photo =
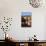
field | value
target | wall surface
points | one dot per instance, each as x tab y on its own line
13	8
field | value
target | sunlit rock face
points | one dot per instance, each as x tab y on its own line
35	3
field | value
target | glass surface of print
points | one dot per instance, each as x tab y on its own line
26	19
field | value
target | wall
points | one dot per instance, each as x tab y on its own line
13	8
45	28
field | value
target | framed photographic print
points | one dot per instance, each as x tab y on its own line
26	19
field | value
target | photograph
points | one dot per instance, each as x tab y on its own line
26	19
